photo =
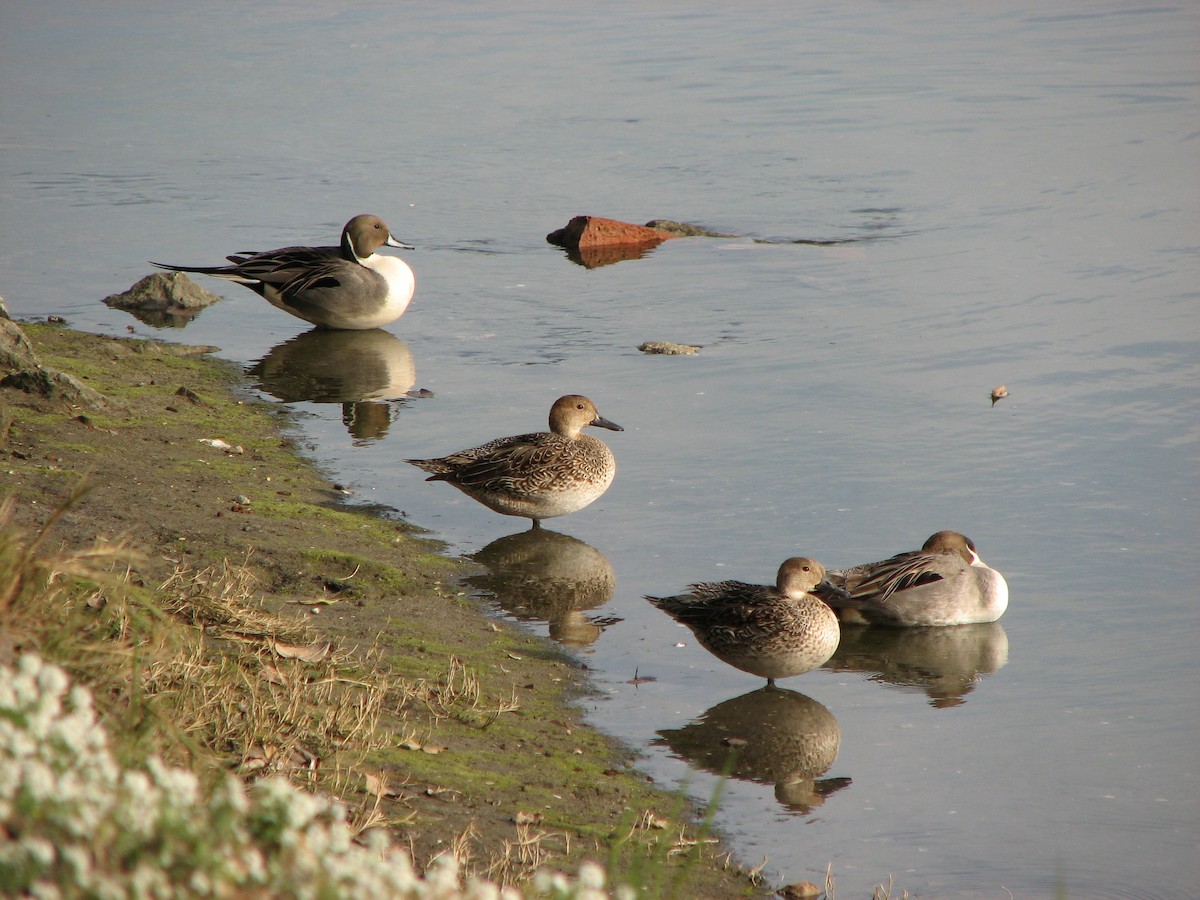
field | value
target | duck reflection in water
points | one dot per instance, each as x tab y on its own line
945	663
770	736
544	576
365	371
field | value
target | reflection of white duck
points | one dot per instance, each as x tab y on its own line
944	663
337	367
543	575
769	736
358	369
943	583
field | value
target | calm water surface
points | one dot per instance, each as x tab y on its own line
1019	195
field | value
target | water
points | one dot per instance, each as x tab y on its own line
1019	193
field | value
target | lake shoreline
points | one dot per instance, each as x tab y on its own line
191	470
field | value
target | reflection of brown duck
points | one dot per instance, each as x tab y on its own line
769	736
358	369
541	575
944	662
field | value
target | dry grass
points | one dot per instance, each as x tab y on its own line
456	695
194	670
32	578
527	852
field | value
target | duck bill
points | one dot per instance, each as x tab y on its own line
601	422
828	587
400	245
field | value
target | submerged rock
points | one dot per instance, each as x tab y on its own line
164	299
683	229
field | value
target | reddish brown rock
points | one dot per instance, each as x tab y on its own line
587	232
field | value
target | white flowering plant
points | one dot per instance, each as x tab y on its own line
74	823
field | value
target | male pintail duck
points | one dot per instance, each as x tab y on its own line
539	475
344	287
771	632
943	583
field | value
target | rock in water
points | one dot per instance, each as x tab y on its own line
169	299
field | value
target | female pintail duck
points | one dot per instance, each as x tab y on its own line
539	475
943	583
345	287
772	632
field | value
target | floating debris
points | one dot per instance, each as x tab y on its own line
670	348
999	393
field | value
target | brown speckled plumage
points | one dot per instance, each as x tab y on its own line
772	632
538	475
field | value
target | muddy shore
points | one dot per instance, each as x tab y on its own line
191	469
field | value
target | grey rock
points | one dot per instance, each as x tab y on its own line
16	352
55	385
164	299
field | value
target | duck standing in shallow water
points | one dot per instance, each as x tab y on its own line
771	632
943	583
539	475
347	287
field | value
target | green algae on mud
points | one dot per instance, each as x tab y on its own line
485	753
